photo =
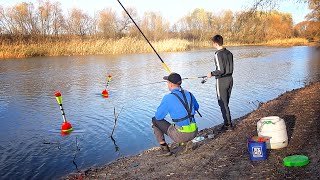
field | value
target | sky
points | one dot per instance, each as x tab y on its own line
172	10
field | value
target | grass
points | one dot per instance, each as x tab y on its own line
287	42
124	45
90	47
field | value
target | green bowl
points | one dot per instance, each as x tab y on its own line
296	161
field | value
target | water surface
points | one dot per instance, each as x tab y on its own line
32	147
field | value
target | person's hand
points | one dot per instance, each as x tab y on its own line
209	75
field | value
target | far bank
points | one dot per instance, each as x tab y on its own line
76	46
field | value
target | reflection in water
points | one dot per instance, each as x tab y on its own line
314	64
67	133
76	150
115	119
116	147
114	127
74	163
75	154
58	143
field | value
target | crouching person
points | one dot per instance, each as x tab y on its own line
181	105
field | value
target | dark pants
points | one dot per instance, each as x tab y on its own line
164	127
224	87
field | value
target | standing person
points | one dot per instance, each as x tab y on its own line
223	59
181	105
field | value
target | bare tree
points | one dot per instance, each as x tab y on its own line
22	19
227	21
6	23
314	5
154	25
198	24
314	15
107	23
50	18
125	22
78	23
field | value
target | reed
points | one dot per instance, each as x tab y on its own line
286	42
126	45
90	47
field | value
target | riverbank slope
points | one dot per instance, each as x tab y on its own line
226	156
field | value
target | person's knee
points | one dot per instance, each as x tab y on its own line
154	120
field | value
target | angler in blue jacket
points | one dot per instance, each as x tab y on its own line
181	105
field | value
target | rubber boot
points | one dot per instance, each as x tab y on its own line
165	151
227	127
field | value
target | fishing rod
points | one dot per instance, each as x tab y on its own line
204	78
164	64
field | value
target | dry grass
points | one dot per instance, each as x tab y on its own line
276	42
122	46
90	47
287	42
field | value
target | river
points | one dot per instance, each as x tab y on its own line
31	144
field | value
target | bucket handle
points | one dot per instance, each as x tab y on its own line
263	123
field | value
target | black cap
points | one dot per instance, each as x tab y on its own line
175	78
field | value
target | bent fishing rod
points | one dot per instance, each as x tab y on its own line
204	79
164	64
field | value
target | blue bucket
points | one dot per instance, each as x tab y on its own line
257	150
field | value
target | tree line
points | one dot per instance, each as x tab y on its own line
29	22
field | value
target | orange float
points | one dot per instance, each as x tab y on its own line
66	127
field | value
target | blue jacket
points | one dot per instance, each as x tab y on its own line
172	105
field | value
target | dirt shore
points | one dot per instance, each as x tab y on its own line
226	156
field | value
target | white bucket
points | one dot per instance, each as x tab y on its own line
274	128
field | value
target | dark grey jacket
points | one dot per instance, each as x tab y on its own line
223	59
